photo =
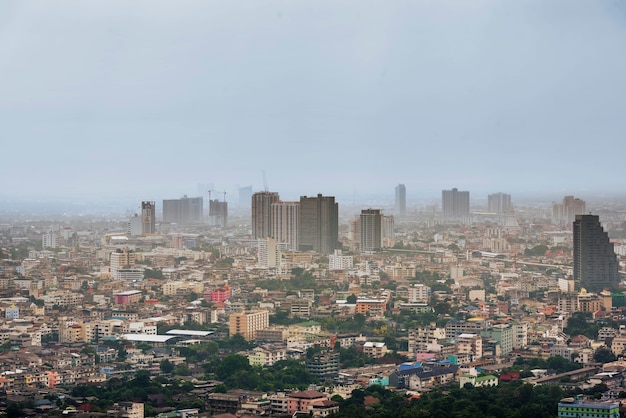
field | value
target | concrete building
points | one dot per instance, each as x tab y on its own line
284	223
499	203
218	213
577	408
455	203
401	200
319	224
262	213
337	261
371	230
268	253
324	366
247	323
501	333
565	213
183	211
595	262
148	217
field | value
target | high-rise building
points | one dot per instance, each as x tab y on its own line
388	228
148	217
499	203
455	203
247	323
184	211
245	194
319	224
268	253
565	213
595	261
262	213
284	222
371	230
218	213
135	226
401	200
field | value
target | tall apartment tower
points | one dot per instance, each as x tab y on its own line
186	210
595	262
499	203
565	212
148	215
218	213
371	230
284	222
455	203
401	200
319	224
262	213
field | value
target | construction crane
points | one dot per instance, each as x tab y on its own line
224	193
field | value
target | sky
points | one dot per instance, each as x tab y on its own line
145	99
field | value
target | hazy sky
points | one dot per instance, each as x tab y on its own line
148	98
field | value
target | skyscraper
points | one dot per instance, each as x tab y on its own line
284	222
148	210
186	210
499	203
455	203
371	230
565	212
595	262
262	213
401	200
218	213
319	224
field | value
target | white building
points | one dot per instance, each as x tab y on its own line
419	293
337	261
268	253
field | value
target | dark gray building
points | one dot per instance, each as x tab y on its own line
595	262
183	211
319	224
262	213
455	203
401	200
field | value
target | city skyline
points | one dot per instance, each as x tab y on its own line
145	100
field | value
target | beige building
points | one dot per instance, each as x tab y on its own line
247	323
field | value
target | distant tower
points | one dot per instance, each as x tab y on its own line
245	194
499	203
371	230
218	213
319	224
284	222
184	211
455	203
262	213
401	200
148	215
595	262
565	212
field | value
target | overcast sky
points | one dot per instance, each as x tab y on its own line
146	99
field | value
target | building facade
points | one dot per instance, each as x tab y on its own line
595	262
284	223
148	217
499	203
371	230
455	203
319	224
401	200
262	213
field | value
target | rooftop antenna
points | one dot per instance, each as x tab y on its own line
264	181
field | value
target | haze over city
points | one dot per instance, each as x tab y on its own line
147	99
